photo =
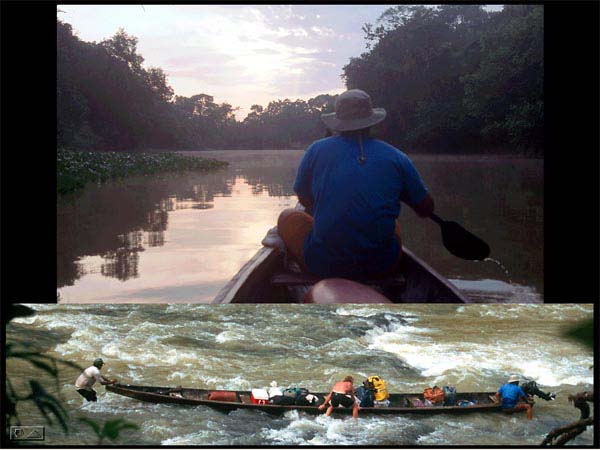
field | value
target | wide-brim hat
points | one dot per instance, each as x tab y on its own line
513	379
353	111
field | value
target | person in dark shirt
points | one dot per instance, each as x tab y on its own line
510	394
351	186
531	388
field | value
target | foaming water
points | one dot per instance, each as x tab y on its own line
473	347
450	360
493	290
497	291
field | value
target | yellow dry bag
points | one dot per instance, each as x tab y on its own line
379	388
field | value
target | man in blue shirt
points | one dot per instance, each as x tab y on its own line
510	393
352	186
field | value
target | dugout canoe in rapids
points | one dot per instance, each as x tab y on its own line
268	277
399	403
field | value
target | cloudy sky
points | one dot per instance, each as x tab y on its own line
240	54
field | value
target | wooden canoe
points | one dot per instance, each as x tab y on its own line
265	279
481	401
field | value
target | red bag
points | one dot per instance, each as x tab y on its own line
435	395
222	396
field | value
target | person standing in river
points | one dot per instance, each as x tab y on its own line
510	394
342	394
351	186
88	378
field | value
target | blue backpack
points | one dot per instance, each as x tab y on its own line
366	397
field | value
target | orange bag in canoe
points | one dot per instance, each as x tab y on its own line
222	396
435	395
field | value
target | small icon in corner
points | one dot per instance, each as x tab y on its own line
24	433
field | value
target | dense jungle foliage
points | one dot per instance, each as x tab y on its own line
453	79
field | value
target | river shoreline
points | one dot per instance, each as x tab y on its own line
74	169
478	157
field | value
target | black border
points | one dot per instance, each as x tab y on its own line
28	157
572	164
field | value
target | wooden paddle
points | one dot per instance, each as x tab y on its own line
461	242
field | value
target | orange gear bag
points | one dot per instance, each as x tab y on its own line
435	395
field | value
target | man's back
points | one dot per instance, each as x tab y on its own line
355	204
88	378
510	394
343	387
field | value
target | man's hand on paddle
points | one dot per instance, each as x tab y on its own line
425	207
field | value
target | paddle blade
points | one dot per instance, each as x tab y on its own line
463	243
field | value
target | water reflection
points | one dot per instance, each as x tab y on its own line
195	231
182	237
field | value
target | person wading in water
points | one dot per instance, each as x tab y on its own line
510	393
88	378
351	186
342	394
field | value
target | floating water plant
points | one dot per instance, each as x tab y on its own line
75	169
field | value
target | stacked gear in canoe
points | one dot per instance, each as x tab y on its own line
435	395
365	394
295	392
259	396
296	396
379	388
449	395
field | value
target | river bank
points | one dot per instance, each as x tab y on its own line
75	169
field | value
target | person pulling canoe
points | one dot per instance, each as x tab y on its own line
342	394
510	394
351	186
88	378
531	388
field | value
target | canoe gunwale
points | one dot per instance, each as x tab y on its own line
435	274
235	287
257	271
137	393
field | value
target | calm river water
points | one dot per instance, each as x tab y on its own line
473	347
180	238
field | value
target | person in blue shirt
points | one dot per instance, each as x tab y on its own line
351	186
510	394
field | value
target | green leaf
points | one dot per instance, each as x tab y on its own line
112	428
48	403
582	333
93	424
52	371
27	355
16	310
